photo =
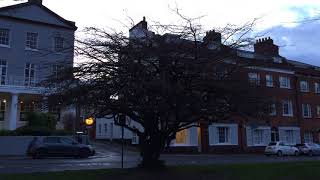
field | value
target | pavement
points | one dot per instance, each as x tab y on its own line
109	156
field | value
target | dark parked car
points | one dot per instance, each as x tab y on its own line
309	149
58	147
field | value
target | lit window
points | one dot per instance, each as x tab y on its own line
223	134
254	79
269	80
284	82
317	88
32	40
58	44
29	75
306	110
4	37
287	108
304	86
181	137
308	137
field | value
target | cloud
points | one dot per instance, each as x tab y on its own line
300	43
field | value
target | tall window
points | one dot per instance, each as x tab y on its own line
289	136
58	44
2	109
317	88
308	137
273	110
284	82
318	111
181	137
304	86
287	108
99	129
258	136
223	134
4	37
269	80
254	79
3	71
105	128
32	40
30	74
306	110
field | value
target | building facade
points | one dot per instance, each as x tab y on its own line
294	116
34	44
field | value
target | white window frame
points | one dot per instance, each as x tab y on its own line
318	111
290	109
254	78
9	37
55	46
317	88
284	82
3	71
289	137
258	140
308	137
226	134
269	80
304	86
29	41
30	81
273	109
306	111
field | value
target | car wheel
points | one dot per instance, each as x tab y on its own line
40	153
296	153
279	153
310	153
84	153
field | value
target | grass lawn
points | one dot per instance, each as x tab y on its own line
283	171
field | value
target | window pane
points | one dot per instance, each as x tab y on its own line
4	37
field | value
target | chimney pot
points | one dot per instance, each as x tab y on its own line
35	1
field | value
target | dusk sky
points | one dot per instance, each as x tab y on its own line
278	18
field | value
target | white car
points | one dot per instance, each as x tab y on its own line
280	149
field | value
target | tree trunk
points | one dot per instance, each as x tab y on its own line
151	148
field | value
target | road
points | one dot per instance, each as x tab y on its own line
109	156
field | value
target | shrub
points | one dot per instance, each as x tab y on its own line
41	120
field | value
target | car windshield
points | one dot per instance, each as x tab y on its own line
68	141
272	144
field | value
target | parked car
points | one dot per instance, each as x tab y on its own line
58	147
309	149
280	149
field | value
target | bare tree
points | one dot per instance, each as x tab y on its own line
165	83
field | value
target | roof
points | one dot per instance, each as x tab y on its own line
71	24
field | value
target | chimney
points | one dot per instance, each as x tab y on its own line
212	37
265	46
35	2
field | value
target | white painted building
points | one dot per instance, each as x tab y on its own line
34	43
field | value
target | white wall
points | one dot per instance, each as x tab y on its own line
113	131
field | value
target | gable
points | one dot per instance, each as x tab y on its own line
36	13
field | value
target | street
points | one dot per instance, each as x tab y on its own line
108	156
